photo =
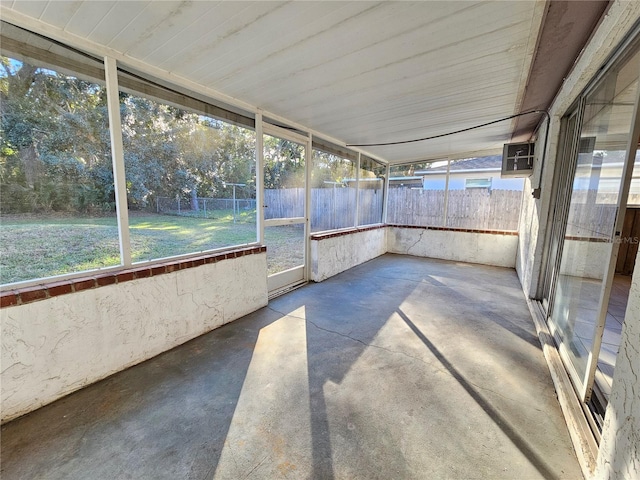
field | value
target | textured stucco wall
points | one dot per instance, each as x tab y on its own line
331	256
487	249
528	256
52	347
619	453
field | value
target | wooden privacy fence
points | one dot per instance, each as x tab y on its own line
591	215
477	209
415	207
330	207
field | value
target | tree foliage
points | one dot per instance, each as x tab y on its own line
331	171
55	150
53	141
284	163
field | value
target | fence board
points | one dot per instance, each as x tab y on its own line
477	209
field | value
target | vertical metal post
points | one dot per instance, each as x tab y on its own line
334	205
446	195
307	206
357	215
117	159
385	193
234	204
259	179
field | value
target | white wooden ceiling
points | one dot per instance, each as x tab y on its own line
359	72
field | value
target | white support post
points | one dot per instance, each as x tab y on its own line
259	179
357	215
308	164
446	194
385	193
117	158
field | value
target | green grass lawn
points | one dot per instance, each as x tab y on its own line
37	247
285	247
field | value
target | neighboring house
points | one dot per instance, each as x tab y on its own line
478	172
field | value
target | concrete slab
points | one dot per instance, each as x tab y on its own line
400	368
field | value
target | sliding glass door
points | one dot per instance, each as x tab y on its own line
589	204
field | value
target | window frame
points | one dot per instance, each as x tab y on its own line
107	72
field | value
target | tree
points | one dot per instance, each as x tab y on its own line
54	148
283	163
329	169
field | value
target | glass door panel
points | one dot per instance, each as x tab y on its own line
560	208
617	303
577	317
284	205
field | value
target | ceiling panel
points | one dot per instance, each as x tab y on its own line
156	38
32	9
360	71
121	17
222	32
295	20
59	13
87	17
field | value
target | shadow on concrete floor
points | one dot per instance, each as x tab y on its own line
400	368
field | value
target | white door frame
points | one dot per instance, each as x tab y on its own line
299	274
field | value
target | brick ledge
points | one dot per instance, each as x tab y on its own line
345	231
352	230
455	229
21	296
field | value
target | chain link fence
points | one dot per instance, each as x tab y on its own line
205	207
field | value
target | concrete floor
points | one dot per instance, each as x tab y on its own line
400	368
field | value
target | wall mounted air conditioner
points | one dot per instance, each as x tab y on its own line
517	160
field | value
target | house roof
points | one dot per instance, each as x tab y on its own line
491	163
352	72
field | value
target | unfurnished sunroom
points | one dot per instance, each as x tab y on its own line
320	239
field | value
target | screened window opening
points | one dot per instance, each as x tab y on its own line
191	179
478	198
333	192
417	194
466	193
370	191
56	178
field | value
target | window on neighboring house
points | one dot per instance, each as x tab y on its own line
370	191
484	183
56	179
191	177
